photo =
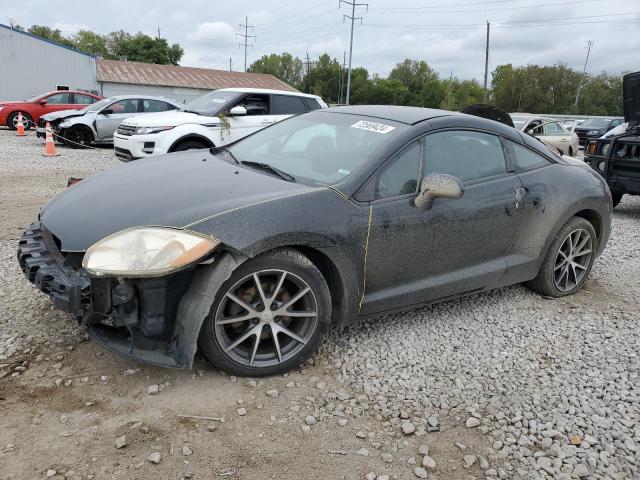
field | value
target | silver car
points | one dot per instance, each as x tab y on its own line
97	122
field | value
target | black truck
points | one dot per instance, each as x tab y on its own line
617	156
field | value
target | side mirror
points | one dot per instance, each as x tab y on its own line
438	185
106	111
42	101
237	111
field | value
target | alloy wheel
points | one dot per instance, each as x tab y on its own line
573	260
266	318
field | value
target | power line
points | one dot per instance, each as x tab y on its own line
414	10
245	36
305	11
353	18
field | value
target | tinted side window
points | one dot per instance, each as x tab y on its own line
464	154
156	106
286	105
80	99
125	106
525	159
59	98
311	103
401	175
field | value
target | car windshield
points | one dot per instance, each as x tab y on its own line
317	148
212	103
94	107
595	122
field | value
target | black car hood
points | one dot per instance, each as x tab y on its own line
631	97
172	190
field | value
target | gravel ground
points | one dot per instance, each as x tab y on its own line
501	385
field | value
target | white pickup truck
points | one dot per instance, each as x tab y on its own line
215	119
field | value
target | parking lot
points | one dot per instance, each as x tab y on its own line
499	385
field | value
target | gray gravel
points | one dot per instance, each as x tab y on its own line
552	385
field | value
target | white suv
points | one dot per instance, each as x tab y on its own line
215	119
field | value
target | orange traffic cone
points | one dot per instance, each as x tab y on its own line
49	146
20	126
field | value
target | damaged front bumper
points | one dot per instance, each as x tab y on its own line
154	320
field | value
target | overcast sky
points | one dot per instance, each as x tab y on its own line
448	34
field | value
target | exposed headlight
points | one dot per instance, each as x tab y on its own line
64	124
601	166
146	252
605	149
148	130
593	132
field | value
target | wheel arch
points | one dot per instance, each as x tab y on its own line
191	136
333	277
594	218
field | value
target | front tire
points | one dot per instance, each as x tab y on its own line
189	145
78	137
268	317
568	261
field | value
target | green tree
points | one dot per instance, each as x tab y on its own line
422	82
388	91
51	34
92	42
143	48
324	78
284	66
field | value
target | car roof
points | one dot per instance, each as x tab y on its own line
395	113
70	91
147	97
268	90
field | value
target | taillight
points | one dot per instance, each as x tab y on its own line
591	148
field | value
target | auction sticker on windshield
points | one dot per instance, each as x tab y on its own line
373	126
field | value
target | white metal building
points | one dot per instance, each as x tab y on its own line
31	65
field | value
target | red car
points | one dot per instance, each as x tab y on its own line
33	108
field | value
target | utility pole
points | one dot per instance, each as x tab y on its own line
159	37
584	72
308	64
486	65
230	65
341	81
353	18
245	39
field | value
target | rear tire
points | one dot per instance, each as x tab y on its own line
12	121
617	198
190	145
569	259
570	152
273	341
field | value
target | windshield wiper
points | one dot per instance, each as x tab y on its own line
189	111
230	154
269	168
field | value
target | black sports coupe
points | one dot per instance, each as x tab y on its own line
251	251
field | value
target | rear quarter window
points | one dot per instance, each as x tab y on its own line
288	105
312	104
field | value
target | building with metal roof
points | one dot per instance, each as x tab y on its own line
32	65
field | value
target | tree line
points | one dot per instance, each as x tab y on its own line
117	45
530	88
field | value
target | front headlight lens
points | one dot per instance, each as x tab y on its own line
148	130
601	166
146	252
605	149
